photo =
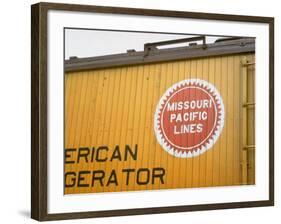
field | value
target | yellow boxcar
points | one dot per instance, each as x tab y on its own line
110	104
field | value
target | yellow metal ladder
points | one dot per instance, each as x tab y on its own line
247	119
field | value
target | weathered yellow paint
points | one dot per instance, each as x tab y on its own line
115	106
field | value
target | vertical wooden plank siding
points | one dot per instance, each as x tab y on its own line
115	107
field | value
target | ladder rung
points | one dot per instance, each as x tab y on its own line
248	63
249	147
247	104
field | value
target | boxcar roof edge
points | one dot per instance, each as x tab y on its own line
219	48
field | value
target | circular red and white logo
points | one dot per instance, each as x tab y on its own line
189	118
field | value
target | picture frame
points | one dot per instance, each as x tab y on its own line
48	89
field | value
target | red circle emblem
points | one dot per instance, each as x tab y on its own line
189	118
